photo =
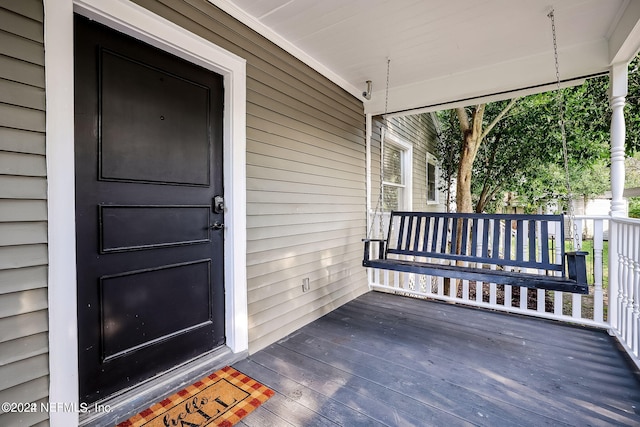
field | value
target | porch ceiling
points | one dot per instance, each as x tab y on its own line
446	51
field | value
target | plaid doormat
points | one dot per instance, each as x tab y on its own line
220	399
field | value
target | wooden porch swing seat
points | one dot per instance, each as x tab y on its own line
517	250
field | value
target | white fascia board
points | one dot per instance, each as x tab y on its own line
265	31
526	76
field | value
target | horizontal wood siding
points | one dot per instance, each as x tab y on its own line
305	178
418	130
23	211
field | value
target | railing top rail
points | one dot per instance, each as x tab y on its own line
630	221
593	217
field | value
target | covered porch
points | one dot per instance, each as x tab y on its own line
452	54
380	359
385	359
390	360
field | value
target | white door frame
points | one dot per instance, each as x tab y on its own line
142	24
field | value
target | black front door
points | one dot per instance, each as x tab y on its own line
148	138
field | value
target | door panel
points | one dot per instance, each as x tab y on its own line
148	166
147	105
132	300
125	228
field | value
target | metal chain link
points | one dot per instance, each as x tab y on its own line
386	91
573	225
378	209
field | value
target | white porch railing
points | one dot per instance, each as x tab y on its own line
625	284
619	313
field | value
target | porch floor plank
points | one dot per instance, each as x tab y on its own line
396	361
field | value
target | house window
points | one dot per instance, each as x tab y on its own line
432	177
396	175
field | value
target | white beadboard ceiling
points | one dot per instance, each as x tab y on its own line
446	51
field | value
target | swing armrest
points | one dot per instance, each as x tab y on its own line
367	250
577	266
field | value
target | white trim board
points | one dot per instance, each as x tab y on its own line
146	26
257	26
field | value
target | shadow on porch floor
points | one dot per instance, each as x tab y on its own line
389	360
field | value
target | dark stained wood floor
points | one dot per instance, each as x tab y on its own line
396	361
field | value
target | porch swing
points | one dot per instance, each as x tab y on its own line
505	249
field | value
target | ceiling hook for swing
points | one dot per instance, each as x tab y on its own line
367	93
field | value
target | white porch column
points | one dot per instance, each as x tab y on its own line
618	91
618	79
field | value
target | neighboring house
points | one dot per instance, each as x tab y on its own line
632	192
410	169
410	172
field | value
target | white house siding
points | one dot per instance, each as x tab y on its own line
418	130
23	220
305	178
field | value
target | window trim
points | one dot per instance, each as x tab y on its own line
407	168
431	160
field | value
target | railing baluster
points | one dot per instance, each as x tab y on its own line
628	286
635	285
626	291
598	245
523	298
540	299
576	306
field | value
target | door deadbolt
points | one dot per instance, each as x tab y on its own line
218	204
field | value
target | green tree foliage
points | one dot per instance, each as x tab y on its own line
632	110
523	153
634	207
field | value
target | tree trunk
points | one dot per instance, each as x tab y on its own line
471	139
472	136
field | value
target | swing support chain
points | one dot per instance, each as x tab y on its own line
573	225
377	213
